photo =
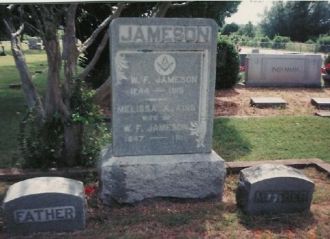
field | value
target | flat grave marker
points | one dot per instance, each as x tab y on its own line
321	102
323	113
268	102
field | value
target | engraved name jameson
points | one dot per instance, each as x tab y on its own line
44	214
164	34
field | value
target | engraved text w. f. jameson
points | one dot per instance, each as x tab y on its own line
164	34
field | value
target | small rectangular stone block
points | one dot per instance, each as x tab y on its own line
45	204
323	113
267	101
163	78
321	102
272	189
283	70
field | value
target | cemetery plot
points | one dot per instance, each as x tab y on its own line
201	219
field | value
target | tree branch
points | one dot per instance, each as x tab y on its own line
160	9
31	95
116	12
96	57
90	66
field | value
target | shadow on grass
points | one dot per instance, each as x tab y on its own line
277	223
228	142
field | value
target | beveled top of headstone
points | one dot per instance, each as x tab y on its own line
42	185
163	77
271	171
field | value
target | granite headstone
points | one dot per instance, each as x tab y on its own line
163	77
271	189
45	204
283	70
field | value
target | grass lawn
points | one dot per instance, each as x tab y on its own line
234	138
12	105
281	137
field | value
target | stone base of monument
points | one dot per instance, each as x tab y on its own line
132	179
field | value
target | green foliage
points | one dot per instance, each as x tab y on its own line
229	28
324	42
42	144
227	65
327	60
279	42
299	20
310	41
265	42
248	30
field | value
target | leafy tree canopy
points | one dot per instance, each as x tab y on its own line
299	20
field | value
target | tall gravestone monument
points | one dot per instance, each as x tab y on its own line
163	77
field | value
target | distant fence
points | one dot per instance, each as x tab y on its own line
290	46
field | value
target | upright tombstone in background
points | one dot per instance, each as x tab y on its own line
45	204
283	70
163	78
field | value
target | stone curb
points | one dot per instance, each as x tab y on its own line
235	167
15	174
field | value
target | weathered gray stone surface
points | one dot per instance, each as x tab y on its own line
270	188
45	204
321	102
131	179
163	77
283	70
268	101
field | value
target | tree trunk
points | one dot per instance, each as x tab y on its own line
53	102
73	134
103	94
30	93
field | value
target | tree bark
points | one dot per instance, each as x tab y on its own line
30	93
103	93
53	102
73	134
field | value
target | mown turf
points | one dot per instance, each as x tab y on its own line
285	137
12	103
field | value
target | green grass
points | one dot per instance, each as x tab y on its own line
234	138
12	104
286	137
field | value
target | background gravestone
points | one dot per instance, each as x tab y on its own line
163	78
45	204
269	188
283	70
